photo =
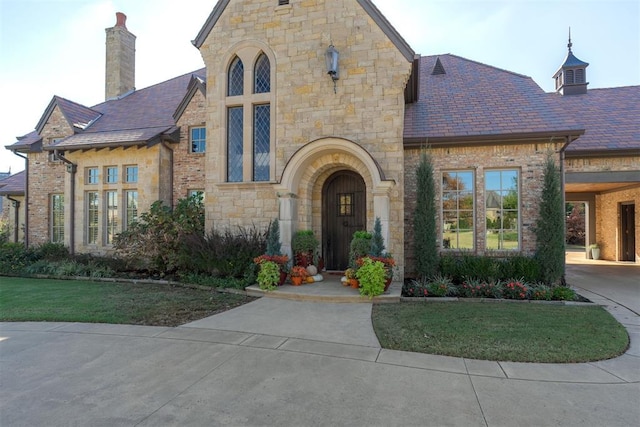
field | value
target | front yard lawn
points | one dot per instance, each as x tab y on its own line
36	300
519	332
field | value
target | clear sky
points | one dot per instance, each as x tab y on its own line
56	47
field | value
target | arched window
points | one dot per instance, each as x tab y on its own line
249	129
262	75
236	78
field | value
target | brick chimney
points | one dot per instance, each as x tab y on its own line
120	63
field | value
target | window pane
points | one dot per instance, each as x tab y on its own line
235	137
457	210
502	210
111	175
92	218
57	218
261	142
92	175
262	80
131	174
111	201
132	208
198	140
236	78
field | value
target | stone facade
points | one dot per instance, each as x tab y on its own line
364	115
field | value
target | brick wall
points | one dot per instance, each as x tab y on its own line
188	167
45	178
608	222
529	159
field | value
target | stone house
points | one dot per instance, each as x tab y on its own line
316	112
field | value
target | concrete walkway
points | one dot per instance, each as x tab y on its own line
292	363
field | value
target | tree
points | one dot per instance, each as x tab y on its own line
549	227
424	221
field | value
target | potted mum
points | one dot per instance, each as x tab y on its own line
298	275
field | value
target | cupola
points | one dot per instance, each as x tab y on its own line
571	78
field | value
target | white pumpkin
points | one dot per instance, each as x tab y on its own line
312	270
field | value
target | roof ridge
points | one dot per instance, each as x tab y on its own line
480	63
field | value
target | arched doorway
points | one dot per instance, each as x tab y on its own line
343	213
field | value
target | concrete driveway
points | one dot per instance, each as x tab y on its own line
290	363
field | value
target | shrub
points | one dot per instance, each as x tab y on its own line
541	292
415	288
377	241
157	240
274	247
424	223
563	293
223	252
359	247
515	289
550	225
476	288
51	251
520	266
304	246
14	257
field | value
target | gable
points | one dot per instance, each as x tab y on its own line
368	6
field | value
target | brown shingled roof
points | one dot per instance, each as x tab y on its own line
13	185
610	116
474	101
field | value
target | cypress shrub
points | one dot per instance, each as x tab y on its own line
549	227
424	221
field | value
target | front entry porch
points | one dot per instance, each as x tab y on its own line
329	290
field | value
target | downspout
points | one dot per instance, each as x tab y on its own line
16	220
72	168
26	197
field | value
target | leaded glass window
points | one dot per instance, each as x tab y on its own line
261	142
235	141
236	78
262	75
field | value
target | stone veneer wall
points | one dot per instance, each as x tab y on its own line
152	185
608	222
8	215
529	159
367	108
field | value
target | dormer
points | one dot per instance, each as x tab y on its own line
571	78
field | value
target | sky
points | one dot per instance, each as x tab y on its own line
56	47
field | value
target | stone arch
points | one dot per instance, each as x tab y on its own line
300	188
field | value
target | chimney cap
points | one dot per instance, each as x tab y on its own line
121	20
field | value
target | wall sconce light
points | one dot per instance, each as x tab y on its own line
331	58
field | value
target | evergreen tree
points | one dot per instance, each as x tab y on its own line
424	221
549	227
377	241
274	247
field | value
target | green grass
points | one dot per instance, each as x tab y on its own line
501	331
98	302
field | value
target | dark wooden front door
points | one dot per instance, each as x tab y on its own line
628	229
343	213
